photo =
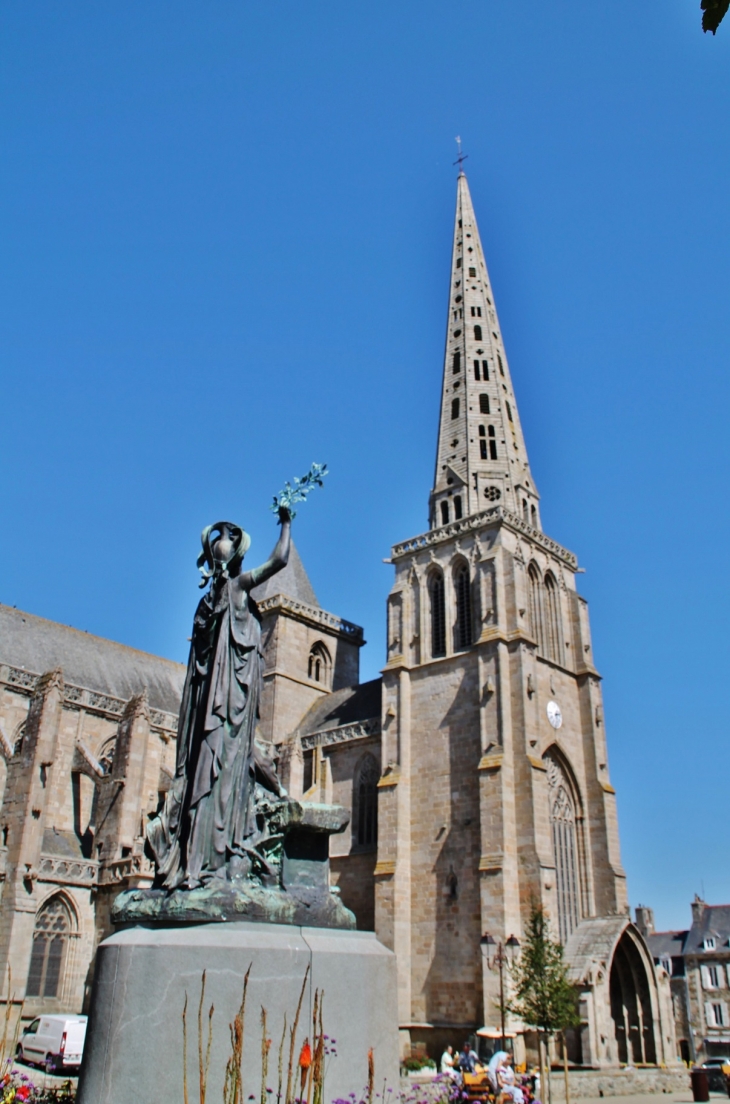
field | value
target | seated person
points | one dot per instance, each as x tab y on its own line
447	1063
467	1059
506	1081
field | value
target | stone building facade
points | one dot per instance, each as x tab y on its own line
697	962
475	770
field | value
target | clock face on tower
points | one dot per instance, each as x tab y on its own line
554	715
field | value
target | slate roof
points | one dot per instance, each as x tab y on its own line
341	707
292	581
714	921
593	940
37	645
62	843
667	944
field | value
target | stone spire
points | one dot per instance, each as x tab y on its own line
481	459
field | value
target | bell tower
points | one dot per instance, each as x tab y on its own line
495	789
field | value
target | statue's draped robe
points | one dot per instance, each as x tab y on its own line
208	811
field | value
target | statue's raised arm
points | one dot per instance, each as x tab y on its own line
278	558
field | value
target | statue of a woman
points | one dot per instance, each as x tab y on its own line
207	825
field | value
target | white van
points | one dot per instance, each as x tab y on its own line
56	1042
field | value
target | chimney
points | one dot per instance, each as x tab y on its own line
698	907
645	919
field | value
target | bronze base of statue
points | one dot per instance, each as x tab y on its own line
282	879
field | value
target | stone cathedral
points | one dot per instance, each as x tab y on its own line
475	770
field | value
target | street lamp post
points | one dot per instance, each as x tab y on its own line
499	960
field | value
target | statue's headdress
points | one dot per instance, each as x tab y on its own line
210	565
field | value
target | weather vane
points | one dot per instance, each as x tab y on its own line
462	156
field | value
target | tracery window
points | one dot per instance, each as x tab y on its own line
365	802
553	640
563	823
319	668
438	614
462	586
50	947
535	605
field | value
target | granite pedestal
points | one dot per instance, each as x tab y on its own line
134	1045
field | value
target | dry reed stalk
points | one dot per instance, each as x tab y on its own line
201	1080
293	1038
207	1049
204	1065
185	1049
16	1031
3	1045
281	1062
318	1077
310	1071
265	1047
233	1088
371	1075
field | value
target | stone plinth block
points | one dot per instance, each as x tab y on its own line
134	1043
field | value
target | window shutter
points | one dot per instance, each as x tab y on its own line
723	1015
709	1014
705	978
728	973
720	976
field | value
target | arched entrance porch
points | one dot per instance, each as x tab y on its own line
631	1010
625	1007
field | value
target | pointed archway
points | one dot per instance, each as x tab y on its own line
631	1005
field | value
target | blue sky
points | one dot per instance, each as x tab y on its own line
225	248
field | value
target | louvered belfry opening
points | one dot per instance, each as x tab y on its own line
438	614
462	585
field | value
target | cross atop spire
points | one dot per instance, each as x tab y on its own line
461	158
481	459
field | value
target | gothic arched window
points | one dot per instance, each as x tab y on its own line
320	664
535	598
462	586
454	409
477	333
552	620
438	614
53	925
456	364
365	802
565	826
457	508
444	512
492	443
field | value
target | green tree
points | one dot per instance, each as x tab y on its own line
713	13
542	996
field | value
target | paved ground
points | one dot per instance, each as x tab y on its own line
646	1098
42	1079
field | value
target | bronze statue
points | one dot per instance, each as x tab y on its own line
229	843
207	828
